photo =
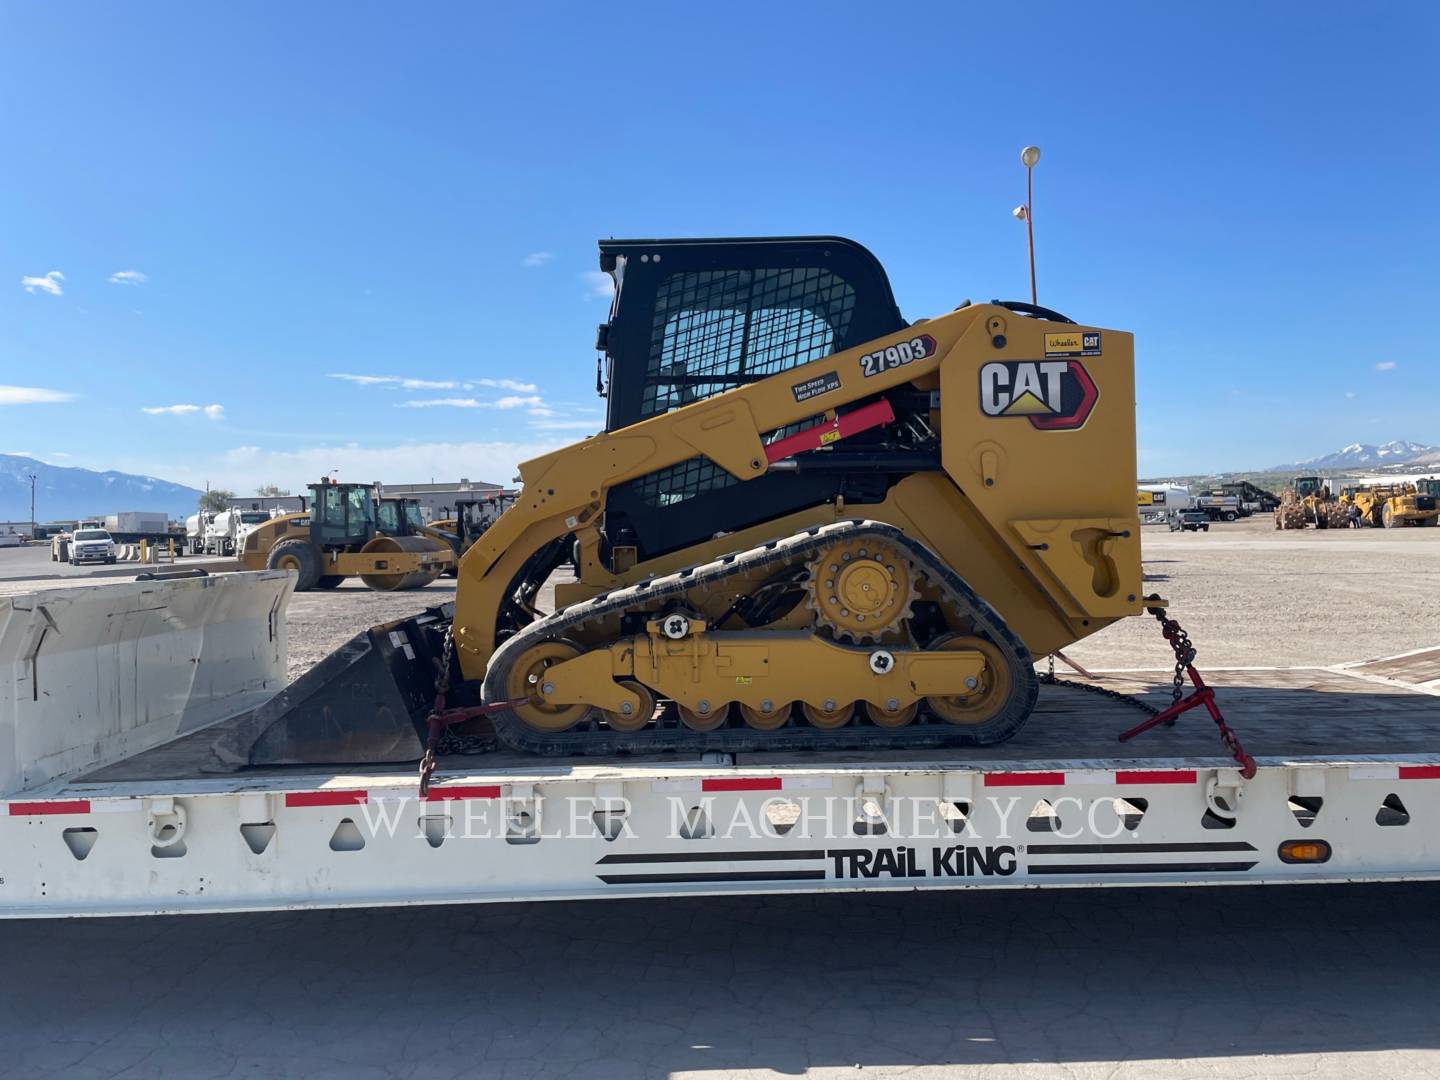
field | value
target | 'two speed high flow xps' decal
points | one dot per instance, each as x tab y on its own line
1054	395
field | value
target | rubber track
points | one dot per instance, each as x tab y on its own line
651	595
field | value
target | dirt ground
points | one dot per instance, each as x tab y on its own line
1251	596
1247	594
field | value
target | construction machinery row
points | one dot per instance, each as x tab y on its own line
1311	501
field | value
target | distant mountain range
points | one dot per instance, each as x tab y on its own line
1369	456
67	494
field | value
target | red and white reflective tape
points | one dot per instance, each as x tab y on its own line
1395	772
293	799
1091	778
360	796
46	807
719	785
49	807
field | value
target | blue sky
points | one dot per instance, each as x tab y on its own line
296	192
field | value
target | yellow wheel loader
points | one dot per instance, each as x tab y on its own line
808	525
348	532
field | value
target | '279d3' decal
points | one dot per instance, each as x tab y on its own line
1054	395
893	356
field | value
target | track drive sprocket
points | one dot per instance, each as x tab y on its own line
861	589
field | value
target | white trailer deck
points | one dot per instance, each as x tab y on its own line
1348	788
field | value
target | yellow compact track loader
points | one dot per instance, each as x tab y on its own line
348	532
807	525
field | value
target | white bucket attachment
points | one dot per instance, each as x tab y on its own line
95	674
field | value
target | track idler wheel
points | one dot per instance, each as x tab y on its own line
710	720
828	716
526	679
621	721
892	718
761	720
986	701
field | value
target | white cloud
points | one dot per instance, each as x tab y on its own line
598	285
58	453
50	283
32	395
400	381
128	277
513	401
173	410
1385	365
543	411
243	467
537	258
566	425
509	384
1349	393
212	412
435	403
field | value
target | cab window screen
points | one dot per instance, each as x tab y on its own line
717	329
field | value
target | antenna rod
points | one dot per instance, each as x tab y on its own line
1029	157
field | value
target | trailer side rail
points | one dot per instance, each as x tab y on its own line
316	842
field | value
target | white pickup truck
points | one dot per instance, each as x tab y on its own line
91	545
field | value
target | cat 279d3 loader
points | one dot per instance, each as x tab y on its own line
808	524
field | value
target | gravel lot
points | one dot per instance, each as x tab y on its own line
1252	596
1248	595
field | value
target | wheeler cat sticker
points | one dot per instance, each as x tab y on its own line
1082	343
893	356
1054	395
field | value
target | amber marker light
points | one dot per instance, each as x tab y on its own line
1304	851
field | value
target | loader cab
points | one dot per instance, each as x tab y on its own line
342	515
1428	487
399	517
694	318
1306	486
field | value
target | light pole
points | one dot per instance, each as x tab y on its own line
1029	157
32	505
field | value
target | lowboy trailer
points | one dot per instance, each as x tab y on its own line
113	698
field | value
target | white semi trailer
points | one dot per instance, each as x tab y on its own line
110	803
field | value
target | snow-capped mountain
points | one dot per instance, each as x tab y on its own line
64	493
1369	455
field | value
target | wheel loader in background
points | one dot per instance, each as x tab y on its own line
1390	506
1309	501
472	518
808	525
348	531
